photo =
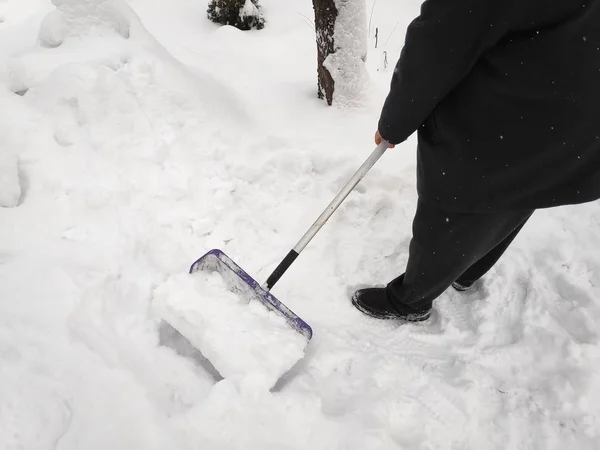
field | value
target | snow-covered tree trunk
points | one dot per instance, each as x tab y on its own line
325	15
341	28
242	14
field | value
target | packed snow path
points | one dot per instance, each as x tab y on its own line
122	160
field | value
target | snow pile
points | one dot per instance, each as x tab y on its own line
347	63
101	26
108	102
87	17
241	338
104	41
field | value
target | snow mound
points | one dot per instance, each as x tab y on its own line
74	18
93	103
104	34
242	340
106	31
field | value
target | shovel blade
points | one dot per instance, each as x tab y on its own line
247	288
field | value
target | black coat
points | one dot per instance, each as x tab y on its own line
505	95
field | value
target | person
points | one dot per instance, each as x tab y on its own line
505	98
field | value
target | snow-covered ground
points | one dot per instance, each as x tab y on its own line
135	137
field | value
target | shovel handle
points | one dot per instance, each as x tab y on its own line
324	217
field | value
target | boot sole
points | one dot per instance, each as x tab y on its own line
460	287
416	317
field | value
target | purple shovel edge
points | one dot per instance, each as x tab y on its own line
264	296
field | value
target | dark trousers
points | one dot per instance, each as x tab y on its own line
448	247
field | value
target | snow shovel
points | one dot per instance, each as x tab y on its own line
239	282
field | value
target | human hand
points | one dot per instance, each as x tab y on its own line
379	140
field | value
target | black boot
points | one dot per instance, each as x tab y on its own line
462	286
376	302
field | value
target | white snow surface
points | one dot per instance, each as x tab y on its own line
10	187
140	135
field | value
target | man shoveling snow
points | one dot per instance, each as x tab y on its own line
506	99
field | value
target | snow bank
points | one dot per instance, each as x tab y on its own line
106	101
347	63
100	34
76	18
103	27
241	339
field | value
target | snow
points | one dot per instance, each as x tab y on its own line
240	337
143	135
347	63
10	187
10	181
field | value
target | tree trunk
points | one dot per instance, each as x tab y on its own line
325	16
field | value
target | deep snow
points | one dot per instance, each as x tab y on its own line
132	146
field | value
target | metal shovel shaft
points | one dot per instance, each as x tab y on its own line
324	217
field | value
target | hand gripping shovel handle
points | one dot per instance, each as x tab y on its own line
324	217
